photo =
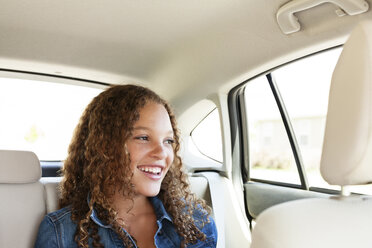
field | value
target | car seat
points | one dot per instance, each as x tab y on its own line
345	220
22	200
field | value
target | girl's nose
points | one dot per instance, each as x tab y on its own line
158	151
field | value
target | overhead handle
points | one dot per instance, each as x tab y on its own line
288	22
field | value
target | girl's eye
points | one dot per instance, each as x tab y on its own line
169	141
144	138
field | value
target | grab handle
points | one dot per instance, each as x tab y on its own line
288	22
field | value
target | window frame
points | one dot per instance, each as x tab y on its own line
239	131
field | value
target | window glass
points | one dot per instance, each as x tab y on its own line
40	116
304	86
270	153
207	136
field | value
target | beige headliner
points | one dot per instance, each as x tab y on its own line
186	50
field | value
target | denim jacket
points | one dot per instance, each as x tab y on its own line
58	230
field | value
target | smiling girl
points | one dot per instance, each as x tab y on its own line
124	184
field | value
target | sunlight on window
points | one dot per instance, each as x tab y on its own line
270	153
305	94
207	136
304	87
40	116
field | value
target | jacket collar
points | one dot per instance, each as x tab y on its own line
157	204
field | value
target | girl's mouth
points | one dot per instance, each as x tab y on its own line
153	172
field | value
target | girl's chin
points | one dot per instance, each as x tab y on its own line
148	193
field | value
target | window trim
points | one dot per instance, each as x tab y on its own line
236	107
46	75
289	130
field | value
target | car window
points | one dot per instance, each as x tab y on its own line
41	116
303	86
207	136
270	153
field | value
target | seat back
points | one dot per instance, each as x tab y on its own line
346	220
199	185
26	197
22	200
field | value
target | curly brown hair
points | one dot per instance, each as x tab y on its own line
96	154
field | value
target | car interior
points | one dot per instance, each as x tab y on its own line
272	99
345	161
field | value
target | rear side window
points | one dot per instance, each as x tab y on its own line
270	152
300	89
207	136
41	116
304	86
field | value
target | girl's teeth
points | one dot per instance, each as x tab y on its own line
151	170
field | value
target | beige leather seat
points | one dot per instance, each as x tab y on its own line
25	197
342	221
199	185
22	204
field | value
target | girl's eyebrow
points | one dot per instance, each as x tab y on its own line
170	132
141	127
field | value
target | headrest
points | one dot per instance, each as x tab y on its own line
19	167
347	148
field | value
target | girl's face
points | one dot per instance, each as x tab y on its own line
151	149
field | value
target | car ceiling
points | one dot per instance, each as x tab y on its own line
172	46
